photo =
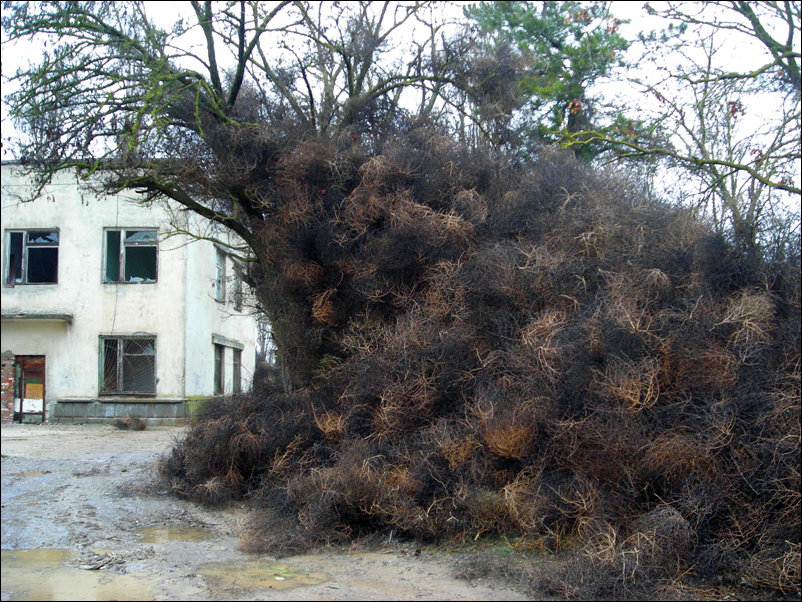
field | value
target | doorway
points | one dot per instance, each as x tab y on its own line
29	388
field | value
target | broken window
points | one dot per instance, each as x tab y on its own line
131	256
32	257
128	365
219	374
220	277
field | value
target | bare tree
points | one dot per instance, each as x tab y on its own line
743	159
212	113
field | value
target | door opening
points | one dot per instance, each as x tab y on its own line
29	388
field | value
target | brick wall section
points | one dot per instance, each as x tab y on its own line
8	387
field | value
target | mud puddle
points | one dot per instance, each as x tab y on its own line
46	574
42	574
168	534
257	574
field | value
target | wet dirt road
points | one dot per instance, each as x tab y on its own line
80	523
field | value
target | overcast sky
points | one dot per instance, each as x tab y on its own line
741	55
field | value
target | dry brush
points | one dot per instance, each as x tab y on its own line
520	349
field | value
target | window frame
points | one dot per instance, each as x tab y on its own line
236	370
120	365
237	292
25	248
122	245
220	276
219	387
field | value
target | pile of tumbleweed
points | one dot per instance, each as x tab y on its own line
519	349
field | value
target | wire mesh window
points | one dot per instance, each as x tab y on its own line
128	365
131	256
32	257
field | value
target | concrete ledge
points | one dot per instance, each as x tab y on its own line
155	412
40	316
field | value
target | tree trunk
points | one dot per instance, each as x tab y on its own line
297	337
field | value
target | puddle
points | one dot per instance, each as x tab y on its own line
41	575
257	574
167	534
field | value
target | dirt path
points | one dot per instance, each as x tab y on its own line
77	524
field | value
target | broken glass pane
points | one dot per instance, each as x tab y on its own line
43	238
140	236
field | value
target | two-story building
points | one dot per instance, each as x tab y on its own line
110	310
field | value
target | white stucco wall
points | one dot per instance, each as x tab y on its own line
178	309
207	317
49	338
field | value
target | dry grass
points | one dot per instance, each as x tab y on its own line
304	275
706	367
538	336
323	309
778	569
458	452
750	314
331	424
674	455
509	437
525	502
635	384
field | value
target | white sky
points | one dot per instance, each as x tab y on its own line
742	55
166	13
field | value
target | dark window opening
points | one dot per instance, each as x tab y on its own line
42	265
237	371
128	365
219	379
131	256
112	256
32	257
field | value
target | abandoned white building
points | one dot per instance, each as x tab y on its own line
108	311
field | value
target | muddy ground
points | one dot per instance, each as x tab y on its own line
80	521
